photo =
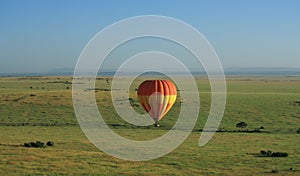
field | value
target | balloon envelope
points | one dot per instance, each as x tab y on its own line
157	97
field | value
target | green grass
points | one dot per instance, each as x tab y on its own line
45	112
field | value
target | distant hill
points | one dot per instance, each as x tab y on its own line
286	71
234	71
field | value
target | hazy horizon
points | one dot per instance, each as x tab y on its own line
242	71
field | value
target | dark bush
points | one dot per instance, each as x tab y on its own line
263	153
298	131
50	143
37	144
269	153
279	154
241	125
33	144
27	145
275	154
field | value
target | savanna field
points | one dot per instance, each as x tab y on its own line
41	109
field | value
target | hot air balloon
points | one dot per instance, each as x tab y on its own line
157	97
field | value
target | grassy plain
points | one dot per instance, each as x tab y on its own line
40	108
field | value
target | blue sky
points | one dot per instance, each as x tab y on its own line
40	35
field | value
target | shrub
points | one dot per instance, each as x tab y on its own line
50	143
269	153
279	154
263	153
241	125
37	144
27	145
